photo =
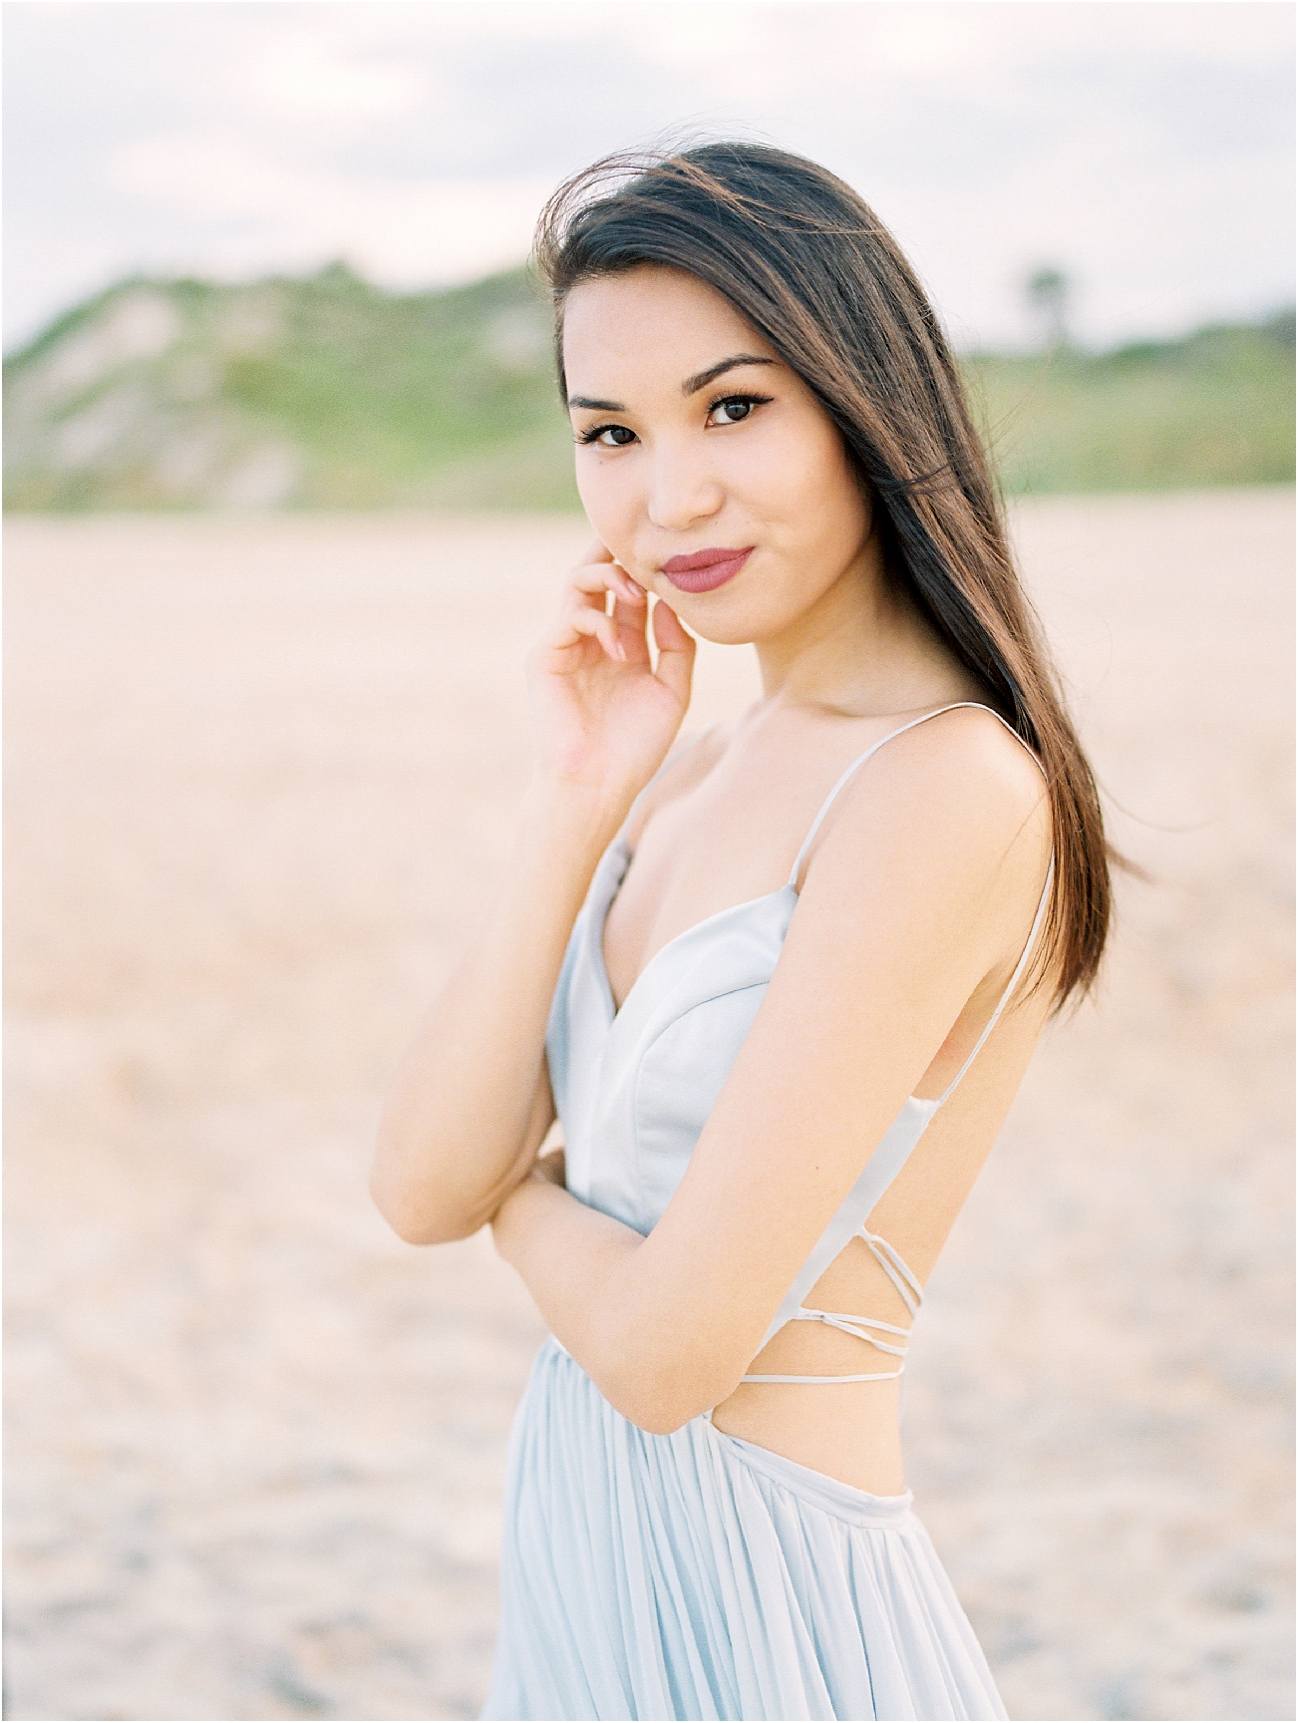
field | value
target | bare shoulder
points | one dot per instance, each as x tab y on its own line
958	785
967	747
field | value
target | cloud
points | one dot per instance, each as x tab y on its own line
1143	145
317	85
406	233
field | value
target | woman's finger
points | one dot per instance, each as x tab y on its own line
676	646
629	620
577	625
593	580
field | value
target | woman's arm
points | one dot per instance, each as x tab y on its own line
471	1101
920	895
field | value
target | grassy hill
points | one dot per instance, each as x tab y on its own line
1216	408
318	392
327	392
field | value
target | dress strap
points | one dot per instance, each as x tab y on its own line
1045	892
867	1328
898	1272
873	749
1010	985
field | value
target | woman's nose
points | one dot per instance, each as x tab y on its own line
681	489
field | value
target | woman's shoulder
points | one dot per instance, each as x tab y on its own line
969	746
960	779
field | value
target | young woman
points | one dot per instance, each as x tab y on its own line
779	986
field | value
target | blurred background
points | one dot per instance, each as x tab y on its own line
288	495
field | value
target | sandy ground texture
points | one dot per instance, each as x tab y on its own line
260	778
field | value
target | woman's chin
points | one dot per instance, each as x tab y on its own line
717	634
721	621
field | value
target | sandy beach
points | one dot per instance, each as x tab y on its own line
261	776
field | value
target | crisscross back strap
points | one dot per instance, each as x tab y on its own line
890	1261
867	1328
874	749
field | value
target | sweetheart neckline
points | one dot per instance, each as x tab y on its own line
619	842
615	1010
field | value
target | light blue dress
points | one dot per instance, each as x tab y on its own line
698	1575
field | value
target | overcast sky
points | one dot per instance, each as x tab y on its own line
1143	146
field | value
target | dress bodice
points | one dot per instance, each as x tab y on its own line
633	1087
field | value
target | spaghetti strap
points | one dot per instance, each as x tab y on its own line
1010	985
873	749
1021	965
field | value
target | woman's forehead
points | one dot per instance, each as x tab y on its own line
648	319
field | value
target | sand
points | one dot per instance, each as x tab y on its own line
260	775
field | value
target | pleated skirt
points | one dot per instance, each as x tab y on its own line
696	1575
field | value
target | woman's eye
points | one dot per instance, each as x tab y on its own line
608	436
735	408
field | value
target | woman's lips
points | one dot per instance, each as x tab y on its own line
705	570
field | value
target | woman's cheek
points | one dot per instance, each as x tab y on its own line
822	487
597	495
610	507
785	458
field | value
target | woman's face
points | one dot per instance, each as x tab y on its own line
693	436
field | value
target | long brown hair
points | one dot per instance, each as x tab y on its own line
809	265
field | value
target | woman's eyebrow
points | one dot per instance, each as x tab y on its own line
690	386
701	379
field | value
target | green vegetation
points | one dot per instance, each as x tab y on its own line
318	393
1214	409
328	392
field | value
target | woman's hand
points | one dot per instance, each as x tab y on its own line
472	1100
604	716
550	1169
547	1169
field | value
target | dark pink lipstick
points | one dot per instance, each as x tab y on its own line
705	570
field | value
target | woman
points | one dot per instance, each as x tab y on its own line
779	988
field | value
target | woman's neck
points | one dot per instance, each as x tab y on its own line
863	650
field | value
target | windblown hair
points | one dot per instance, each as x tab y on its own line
808	264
